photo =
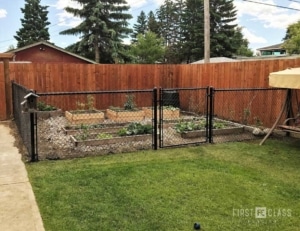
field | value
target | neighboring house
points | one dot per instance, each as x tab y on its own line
44	52
274	50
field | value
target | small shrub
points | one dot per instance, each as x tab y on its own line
219	125
129	104
42	106
184	126
135	129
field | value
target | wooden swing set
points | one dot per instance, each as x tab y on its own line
289	79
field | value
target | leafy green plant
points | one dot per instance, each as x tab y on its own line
257	121
88	105
83	132
129	104
170	107
247	113
218	125
135	129
184	126
42	106
101	136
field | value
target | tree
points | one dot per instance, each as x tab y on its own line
149	48
34	24
140	27
10	48
225	39
192	31
241	44
104	26
170	19
222	16
152	23
292	39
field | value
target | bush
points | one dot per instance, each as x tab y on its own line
135	129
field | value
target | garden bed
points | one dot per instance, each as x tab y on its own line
48	114
93	128
223	131
93	141
125	115
84	116
167	113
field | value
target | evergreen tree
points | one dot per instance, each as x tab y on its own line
153	24
170	18
140	27
192	26
104	25
34	24
222	29
225	39
241	44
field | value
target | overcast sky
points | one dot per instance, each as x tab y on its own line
263	25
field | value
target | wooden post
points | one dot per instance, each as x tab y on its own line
206	32
5	57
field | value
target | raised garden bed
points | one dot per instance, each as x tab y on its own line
84	117
99	128
201	133
120	115
48	114
168	113
93	141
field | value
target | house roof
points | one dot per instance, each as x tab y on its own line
273	47
54	47
216	60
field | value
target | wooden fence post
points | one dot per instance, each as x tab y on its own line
5	57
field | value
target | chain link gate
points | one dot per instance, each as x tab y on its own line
180	111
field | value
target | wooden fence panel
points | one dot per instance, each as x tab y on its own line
54	77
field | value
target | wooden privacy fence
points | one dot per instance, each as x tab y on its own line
48	77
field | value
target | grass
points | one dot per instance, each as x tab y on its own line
217	185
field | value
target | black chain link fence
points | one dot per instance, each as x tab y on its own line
245	113
94	123
79	124
22	119
183	116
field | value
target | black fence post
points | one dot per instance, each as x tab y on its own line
211	112
31	105
155	124
32	140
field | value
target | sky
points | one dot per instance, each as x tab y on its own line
263	25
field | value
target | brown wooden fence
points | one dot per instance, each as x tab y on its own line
88	77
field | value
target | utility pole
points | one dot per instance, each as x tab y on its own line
206	32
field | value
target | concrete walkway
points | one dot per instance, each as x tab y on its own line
18	208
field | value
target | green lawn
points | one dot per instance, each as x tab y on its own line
218	185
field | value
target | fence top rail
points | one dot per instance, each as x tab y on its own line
93	92
20	86
248	89
188	88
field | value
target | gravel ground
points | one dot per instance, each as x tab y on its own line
54	143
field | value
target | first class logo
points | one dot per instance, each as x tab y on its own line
262	212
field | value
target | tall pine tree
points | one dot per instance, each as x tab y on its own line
140	27
192	26
152	23
34	24
222	28
104	25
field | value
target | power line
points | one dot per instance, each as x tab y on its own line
267	4
294	1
